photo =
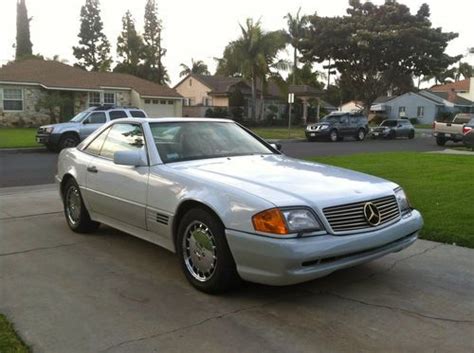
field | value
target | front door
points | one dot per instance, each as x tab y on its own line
117	191
92	123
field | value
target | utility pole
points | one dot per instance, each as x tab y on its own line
291	100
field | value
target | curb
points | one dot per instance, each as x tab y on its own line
23	150
285	140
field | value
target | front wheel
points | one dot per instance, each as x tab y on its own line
77	216
204	254
68	140
360	135
333	136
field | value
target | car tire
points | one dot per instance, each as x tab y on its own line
361	135
333	136
75	211
411	135
68	140
207	264
392	135
440	140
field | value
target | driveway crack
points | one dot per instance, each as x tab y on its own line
30	215
39	249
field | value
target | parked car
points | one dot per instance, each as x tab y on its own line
393	128
68	134
468	131
338	125
229	204
452	131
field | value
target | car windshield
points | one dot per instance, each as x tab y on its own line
182	141
332	118
79	117
389	123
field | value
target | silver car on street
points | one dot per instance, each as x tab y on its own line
229	204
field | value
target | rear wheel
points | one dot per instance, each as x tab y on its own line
204	254
68	140
77	216
440	140
333	136
360	135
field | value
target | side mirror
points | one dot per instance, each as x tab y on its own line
133	158
276	146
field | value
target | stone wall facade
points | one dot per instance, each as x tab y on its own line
31	115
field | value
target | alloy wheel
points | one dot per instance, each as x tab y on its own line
73	205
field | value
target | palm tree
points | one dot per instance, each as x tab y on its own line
254	56
197	67
295	32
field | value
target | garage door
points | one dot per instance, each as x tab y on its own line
159	108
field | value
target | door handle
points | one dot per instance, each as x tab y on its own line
92	169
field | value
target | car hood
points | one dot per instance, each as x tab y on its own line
285	181
61	125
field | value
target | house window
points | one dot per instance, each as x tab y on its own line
12	99
109	98
420	112
156	101
170	102
206	101
147	101
190	82
94	99
402	111
162	102
187	102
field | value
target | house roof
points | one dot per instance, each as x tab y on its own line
458	86
458	100
56	75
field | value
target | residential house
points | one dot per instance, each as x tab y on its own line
463	88
202	92
426	106
352	106
23	84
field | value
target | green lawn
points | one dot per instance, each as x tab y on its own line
423	126
10	342
21	137
279	133
440	186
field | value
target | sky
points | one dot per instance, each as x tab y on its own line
198	29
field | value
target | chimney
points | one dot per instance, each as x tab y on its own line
452	95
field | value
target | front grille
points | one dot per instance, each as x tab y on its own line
350	217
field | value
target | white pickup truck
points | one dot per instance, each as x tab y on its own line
453	131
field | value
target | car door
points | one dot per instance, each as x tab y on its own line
92	123
117	191
344	126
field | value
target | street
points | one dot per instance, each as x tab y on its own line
110	292
36	168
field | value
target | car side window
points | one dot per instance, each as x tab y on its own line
96	118
117	114
354	120
123	137
344	120
137	114
95	146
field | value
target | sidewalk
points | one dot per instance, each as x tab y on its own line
110	292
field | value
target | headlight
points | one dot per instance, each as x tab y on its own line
402	200
324	127
286	221
49	129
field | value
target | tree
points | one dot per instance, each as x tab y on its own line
93	51
54	102
154	69
197	67
375	46
253	56
295	33
24	47
307	76
465	70
129	47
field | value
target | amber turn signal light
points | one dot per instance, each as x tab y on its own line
270	221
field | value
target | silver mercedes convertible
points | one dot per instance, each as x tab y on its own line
229	204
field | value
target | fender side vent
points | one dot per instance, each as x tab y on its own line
162	218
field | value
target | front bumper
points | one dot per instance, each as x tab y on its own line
315	134
48	139
288	261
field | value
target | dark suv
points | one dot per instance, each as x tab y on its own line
338	125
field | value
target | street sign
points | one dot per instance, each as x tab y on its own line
291	98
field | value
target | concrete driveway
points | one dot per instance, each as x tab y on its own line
110	292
